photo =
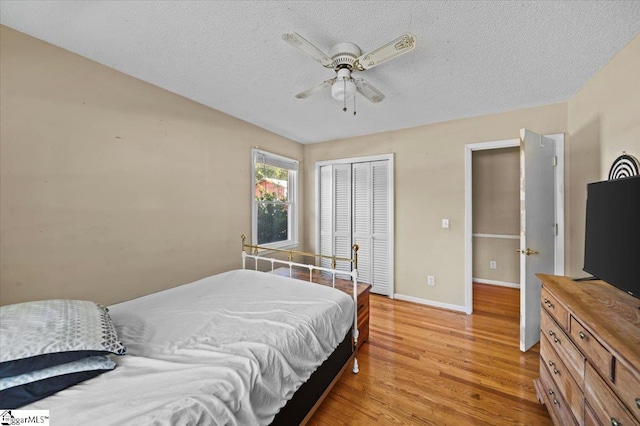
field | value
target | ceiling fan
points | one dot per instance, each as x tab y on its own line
346	59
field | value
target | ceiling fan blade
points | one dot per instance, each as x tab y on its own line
315	89
403	44
298	41
368	91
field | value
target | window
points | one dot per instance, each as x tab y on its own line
274	195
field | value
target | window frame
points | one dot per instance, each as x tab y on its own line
292	200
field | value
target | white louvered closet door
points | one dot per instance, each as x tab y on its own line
380	256
355	208
335	210
371	223
361	175
326	214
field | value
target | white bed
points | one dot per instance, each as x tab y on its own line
228	349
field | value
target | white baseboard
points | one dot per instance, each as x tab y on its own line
496	282
449	306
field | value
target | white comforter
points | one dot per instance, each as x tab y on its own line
228	349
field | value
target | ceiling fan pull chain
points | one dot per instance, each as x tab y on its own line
344	83
354	104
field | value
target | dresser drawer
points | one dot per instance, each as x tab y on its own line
558	408
567	386
592	349
555	309
565	348
627	385
589	417
606	407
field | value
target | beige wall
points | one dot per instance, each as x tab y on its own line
429	186
496	191
604	120
503	251
110	187
496	210
600	121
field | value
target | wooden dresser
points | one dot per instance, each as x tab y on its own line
589	353
344	285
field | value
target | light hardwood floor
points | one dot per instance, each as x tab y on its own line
428	366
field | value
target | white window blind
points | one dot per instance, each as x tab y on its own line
274	160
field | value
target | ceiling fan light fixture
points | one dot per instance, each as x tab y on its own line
343	90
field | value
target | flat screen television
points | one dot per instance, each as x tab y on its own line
612	235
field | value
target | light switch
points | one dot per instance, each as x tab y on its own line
445	223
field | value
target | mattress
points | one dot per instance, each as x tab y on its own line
230	349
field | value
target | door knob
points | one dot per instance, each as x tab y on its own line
528	251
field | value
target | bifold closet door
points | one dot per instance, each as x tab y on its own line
335	214
380	205
371	223
354	208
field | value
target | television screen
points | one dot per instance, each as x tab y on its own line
612	235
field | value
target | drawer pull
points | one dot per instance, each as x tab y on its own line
638	402
581	334
555	402
551	392
614	422
553	364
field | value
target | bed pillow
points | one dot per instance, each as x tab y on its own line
42	334
24	389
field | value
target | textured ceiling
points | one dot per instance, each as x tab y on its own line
472	58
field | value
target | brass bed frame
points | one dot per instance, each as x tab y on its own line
306	400
254	253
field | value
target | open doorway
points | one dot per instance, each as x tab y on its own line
496	216
496	231
552	165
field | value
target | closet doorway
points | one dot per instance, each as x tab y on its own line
354	205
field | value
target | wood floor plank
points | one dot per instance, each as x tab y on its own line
429	366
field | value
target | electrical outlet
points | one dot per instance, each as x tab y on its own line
431	280
493	264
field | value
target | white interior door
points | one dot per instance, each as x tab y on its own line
537	228
335	215
362	218
371	190
342	214
355	204
381	275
